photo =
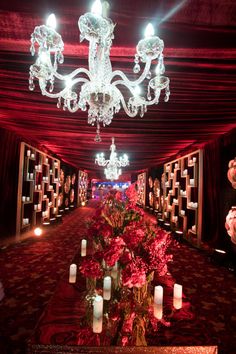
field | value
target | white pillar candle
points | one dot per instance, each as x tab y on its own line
178	289
158	302
72	273
177	297
97	314
107	288
83	247
158	295
23	198
158	311
28	153
177	302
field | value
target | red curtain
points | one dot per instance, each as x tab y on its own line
9	167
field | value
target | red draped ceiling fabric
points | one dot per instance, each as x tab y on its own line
200	53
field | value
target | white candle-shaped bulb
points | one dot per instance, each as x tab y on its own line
72	273
107	288
69	82
51	21
158	295
97	8
149	31
137	90
83	247
97	314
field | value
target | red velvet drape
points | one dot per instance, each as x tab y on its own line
9	167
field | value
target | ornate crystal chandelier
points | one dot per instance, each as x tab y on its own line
98	89
112	170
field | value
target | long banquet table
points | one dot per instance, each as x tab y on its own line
63	326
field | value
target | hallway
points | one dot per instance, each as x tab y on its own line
31	270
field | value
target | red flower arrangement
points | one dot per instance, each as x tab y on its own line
91	268
121	234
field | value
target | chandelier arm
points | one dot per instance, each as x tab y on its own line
60	93
127	111
127	81
73	74
102	163
48	94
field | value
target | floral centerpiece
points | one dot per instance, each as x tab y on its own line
120	233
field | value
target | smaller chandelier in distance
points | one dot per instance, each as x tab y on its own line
98	88
114	164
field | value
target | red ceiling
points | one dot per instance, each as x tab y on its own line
200	59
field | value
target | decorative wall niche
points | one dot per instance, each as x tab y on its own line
183	196
68	188
141	186
82	188
38	188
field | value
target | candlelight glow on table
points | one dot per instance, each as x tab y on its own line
99	88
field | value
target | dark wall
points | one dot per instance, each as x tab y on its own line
9	167
68	192
218	194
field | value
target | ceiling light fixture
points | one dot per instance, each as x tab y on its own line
114	164
98	89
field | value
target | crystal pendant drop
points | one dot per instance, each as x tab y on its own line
59	102
32	50
81	38
31	86
97	138
60	58
136	68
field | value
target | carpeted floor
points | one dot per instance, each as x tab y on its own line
30	271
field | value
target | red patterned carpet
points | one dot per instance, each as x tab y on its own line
31	270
